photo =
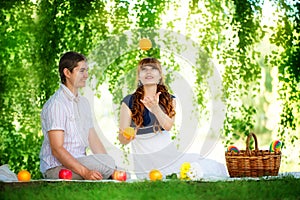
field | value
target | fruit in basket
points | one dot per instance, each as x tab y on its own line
233	149
275	146
128	132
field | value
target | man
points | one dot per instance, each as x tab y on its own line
68	129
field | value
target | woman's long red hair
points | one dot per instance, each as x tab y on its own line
165	98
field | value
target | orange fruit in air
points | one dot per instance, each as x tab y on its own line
155	175
24	175
145	44
128	132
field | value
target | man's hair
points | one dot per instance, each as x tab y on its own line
69	60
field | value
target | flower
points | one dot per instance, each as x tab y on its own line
190	171
184	169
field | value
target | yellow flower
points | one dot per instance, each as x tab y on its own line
183	176
185	167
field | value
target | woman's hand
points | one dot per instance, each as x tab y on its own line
123	139
151	102
125	120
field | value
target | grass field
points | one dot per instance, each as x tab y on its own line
281	188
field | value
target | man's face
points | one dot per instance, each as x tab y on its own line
79	75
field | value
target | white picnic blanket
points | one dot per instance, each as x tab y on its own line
6	175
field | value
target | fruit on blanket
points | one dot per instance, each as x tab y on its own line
24	175
119	175
65	174
128	132
155	175
145	44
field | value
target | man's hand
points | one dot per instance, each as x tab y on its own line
92	175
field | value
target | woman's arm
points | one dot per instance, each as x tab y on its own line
125	120
153	106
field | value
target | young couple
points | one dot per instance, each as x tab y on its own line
68	127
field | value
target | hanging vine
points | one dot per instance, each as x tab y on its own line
19	122
242	72
286	59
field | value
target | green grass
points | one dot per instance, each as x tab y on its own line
281	188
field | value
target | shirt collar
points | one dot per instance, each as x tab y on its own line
69	94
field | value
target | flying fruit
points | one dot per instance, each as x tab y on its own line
145	44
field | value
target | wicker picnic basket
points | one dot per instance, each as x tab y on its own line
252	163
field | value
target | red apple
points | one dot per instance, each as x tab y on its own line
65	174
119	175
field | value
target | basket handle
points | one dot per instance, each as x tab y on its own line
248	142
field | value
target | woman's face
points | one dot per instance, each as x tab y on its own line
149	74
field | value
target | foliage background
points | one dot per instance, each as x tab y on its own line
256	50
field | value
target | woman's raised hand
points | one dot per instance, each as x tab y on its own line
151	102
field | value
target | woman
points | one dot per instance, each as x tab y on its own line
151	111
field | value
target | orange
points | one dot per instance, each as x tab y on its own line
128	132
24	175
155	175
145	44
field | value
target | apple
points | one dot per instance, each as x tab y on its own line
119	175
65	174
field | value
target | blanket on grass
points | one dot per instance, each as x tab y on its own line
6	175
